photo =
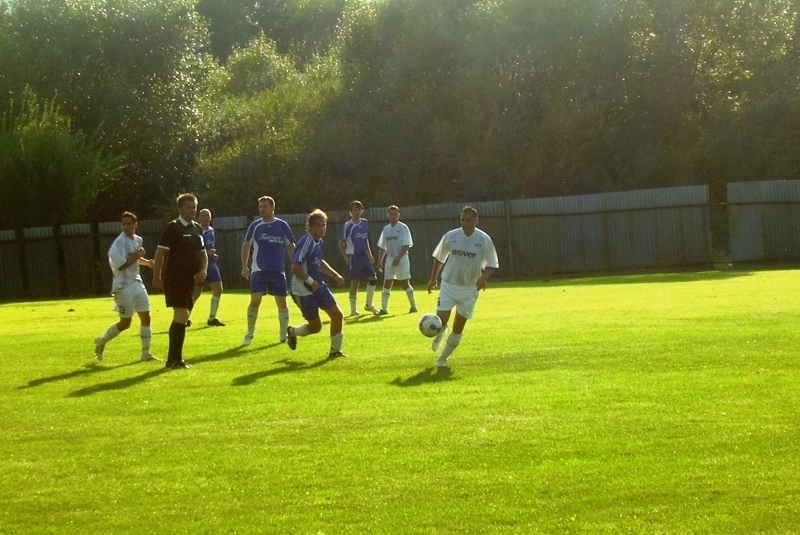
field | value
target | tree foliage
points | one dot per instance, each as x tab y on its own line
412	101
49	172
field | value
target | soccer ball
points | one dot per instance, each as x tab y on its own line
430	325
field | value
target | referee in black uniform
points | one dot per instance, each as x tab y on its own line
180	264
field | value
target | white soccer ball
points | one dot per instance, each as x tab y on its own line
430	325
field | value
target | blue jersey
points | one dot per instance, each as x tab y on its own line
356	236
310	253
269	241
210	239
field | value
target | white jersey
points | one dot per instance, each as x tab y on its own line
394	238
464	257
119	253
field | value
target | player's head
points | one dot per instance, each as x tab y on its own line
266	207
393	214
204	216
129	223
317	223
356	208
469	219
187	206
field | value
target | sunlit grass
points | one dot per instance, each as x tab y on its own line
631	404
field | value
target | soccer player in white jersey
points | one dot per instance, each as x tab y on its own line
393	245
213	276
125	256
469	258
269	238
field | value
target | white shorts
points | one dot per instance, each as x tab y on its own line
401	272
461	297
131	299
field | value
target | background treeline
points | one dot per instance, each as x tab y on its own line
120	104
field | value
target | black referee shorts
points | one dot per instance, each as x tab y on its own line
179	291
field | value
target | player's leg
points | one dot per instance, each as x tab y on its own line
198	291
258	287
354	284
465	307
124	305
280	290
403	273
410	295
371	284
444	307
310	310
142	307
178	294
328	303
386	293
215	281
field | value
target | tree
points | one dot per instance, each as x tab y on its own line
50	173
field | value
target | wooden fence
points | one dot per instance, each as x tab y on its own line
644	229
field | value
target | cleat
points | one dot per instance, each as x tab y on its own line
413	310
371	308
437	341
179	364
354	313
188	323
441	362
291	339
148	357
214	322
336	354
248	339
382	312
99	347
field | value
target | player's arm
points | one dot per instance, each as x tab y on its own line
343	250
200	276
328	270
381	257
158	264
148	262
290	247
246	246
437	268
299	271
481	283
369	253
403	251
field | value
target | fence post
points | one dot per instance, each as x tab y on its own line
509	236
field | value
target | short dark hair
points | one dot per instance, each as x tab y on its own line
356	204
470	210
183	198
131	215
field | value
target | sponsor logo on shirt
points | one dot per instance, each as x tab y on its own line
459	252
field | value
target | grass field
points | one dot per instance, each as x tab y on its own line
630	404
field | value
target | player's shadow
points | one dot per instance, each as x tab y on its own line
86	369
131	381
289	366
426	376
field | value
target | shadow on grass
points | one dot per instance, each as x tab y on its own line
86	369
289	366
131	381
426	376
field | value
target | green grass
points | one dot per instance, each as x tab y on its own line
631	404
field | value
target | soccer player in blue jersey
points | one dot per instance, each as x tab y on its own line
269	238
213	277
357	254
309	291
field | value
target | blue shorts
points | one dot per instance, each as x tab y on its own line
268	282
361	267
310	305
212	273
